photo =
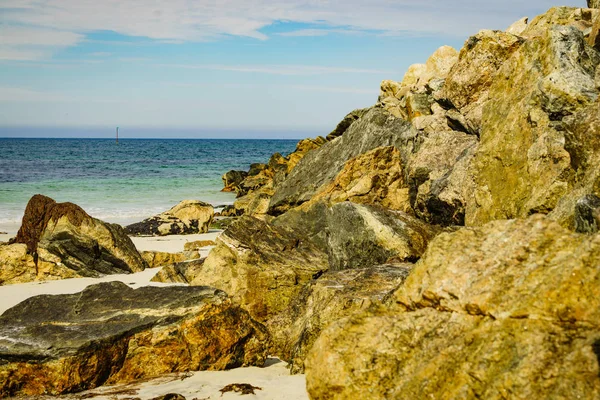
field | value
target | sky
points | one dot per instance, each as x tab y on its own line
218	68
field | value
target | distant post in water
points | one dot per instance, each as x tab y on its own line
117	135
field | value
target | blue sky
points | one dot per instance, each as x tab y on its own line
229	68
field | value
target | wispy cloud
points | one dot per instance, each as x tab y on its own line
279	69
287	87
18	94
320	32
56	23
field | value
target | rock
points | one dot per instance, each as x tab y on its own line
161	258
17	264
170	396
587	214
579	18
593	3
261	265
521	165
182	272
197	244
375	177
232	179
438	177
467	85
365	235
329	298
506	310
110	333
318	168
63	241
346	122
518	27
189	216
413	97
255	192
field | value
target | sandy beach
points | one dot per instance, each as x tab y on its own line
273	379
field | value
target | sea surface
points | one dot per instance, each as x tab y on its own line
124	182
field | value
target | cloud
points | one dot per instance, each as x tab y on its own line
319	32
24	22
279	69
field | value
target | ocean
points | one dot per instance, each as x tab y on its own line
124	182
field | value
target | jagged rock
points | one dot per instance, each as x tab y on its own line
265	265
255	192
508	310
413	97
518	27
521	165
17	265
197	244
439	179
189	216
579	18
467	85
365	235
593	3
375	177
587	214
170	396
346	122
110	333
261	265
63	241
182	272
318	168
325	300
161	258
232	179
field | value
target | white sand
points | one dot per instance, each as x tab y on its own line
172	243
274	379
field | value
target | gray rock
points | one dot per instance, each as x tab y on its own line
110	333
319	167
587	214
346	123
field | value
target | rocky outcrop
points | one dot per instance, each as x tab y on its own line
333	296
261	265
523	162
197	245
255	191
318	169
466	88
189	216
60	240
232	179
345	123
414	96
376	177
181	272
505	310
578	18
265	266
110	333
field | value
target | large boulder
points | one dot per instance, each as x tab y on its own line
508	310
110	333
466	88
318	168
333	296
375	177
345	123
60	240
189	216
232	179
581	19
523	164
265	266
181	272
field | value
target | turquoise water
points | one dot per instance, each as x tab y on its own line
122	183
